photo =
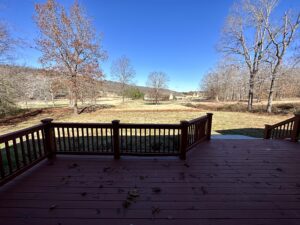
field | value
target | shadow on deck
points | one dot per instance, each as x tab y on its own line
234	182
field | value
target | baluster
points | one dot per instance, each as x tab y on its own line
145	142
64	139
106	140
92	139
59	138
97	140
141	148
16	153
28	149
33	146
88	139
102	145
39	143
159	138
23	151
78	139
69	139
2	171
73	140
8	157
83	139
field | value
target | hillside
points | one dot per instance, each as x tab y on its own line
24	74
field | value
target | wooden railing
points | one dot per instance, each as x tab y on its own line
288	129
22	149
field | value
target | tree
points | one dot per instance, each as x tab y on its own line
68	44
281	37
6	42
6	87
123	72
157	81
245	36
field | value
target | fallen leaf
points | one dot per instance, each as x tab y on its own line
133	193
52	207
126	203
156	189
186	165
204	192
74	165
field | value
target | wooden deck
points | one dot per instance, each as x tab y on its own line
234	182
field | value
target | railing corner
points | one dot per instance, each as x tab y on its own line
267	131
49	143
209	126
296	128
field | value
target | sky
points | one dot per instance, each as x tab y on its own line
178	37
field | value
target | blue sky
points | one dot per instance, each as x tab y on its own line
178	37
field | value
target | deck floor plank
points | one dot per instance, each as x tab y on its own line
221	182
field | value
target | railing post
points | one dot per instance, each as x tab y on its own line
184	138
49	144
209	125
116	145
296	128
267	132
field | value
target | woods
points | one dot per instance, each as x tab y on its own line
257	44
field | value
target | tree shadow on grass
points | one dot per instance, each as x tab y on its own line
252	132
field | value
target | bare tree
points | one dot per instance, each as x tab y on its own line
123	72
282	37
245	36
6	42
68	44
6	86
157	81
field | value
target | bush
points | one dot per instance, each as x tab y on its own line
284	108
8	109
134	93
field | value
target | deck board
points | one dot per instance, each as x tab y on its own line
221	182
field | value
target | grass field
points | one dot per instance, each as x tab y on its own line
245	123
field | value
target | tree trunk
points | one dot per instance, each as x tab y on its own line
217	98
123	92
52	99
271	90
75	95
270	97
251	92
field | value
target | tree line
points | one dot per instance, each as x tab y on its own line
254	44
71	57
230	82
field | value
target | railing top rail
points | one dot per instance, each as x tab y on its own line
79	125
282	123
200	119
149	125
121	125
16	134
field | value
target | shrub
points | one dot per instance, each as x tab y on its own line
134	93
8	109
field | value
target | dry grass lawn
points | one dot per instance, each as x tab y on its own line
138	112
